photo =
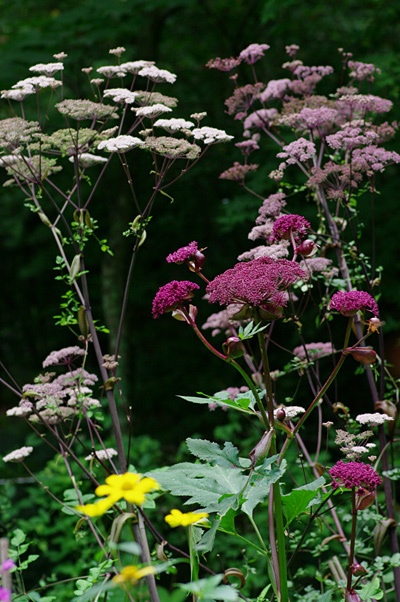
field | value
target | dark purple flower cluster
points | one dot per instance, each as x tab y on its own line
290	224
354	474
172	295
259	282
183	254
348	303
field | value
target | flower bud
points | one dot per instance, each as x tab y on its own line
364	355
365	500
233	347
357	570
280	414
307	248
196	261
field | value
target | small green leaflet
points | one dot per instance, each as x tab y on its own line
209	589
244	402
371	591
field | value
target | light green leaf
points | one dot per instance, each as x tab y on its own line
214	488
212	453
371	591
209	589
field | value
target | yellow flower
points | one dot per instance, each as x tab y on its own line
131	574
129	486
180	519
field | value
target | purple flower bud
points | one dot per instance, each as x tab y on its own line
280	414
352	596
233	347
357	569
306	248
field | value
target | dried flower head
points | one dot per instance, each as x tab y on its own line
172	148
348	303
84	109
63	357
172	296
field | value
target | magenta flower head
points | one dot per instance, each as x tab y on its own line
189	254
172	295
348	303
260	282
290	225
355	474
5	594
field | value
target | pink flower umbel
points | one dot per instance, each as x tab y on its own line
355	474
172	295
189	254
348	303
260	282
288	225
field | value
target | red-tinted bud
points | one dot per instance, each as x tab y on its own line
307	247
365	355
365	500
357	569
233	347
280	414
198	259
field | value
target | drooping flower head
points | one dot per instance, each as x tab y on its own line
355	474
348	303
288	225
131	574
189	254
172	295
260	282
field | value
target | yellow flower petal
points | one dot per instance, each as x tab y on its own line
96	509
131	574
179	519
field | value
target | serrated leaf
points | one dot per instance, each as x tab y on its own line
212	453
206	542
214	488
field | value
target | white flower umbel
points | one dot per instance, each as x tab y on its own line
88	160
158	75
38	82
48	69
19	93
373	419
135	66
152	110
111	71
120	95
174	125
102	454
18	454
120	144
211	135
8	160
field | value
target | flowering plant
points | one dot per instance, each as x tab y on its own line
304	265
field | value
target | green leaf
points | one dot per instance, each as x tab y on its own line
297	501
212	453
214	488
209	589
18	537
371	590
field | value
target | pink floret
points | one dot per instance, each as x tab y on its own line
350	302
354	474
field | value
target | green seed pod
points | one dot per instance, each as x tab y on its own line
88	220
83	322
44	218
75	267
